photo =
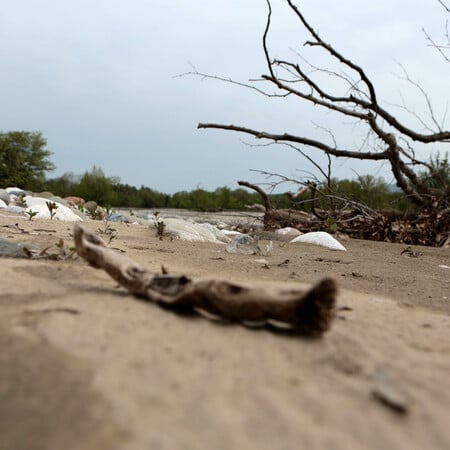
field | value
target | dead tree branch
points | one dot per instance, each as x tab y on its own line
393	140
442	48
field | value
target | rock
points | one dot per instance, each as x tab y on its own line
14	209
61	201
35	200
231	232
118	217
95	212
218	234
91	206
61	213
2	204
15	191
13	249
75	201
389	393
45	194
245	244
320	238
193	232
4	196
288	233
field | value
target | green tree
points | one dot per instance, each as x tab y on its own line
24	159
95	185
126	196
64	185
438	174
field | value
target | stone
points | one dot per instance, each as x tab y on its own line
75	201
61	213
244	244
193	232
4	196
320	238
13	249
15	191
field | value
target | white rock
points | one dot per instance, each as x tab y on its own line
14	209
193	232
288	231
320	238
231	232
15	191
33	201
261	261
2	204
61	213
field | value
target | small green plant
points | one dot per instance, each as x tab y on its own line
108	230
21	201
52	207
31	214
158	224
331	225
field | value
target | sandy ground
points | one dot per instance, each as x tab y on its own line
84	365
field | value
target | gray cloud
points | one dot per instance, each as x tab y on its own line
97	78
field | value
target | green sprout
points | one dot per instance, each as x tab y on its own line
21	201
52	207
108	230
331	225
31	214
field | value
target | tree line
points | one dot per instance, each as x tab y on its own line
94	184
24	162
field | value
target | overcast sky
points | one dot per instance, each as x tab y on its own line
98	79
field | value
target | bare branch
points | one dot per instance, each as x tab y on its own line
204	76
349	93
444	6
439	48
285	137
265	198
319	42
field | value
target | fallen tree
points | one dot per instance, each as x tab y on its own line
426	227
344	88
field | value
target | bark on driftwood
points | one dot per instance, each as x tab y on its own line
309	312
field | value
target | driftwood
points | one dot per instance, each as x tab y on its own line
427	226
308	312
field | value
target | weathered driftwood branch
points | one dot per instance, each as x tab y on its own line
306	311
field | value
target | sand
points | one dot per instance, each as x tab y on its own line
84	365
